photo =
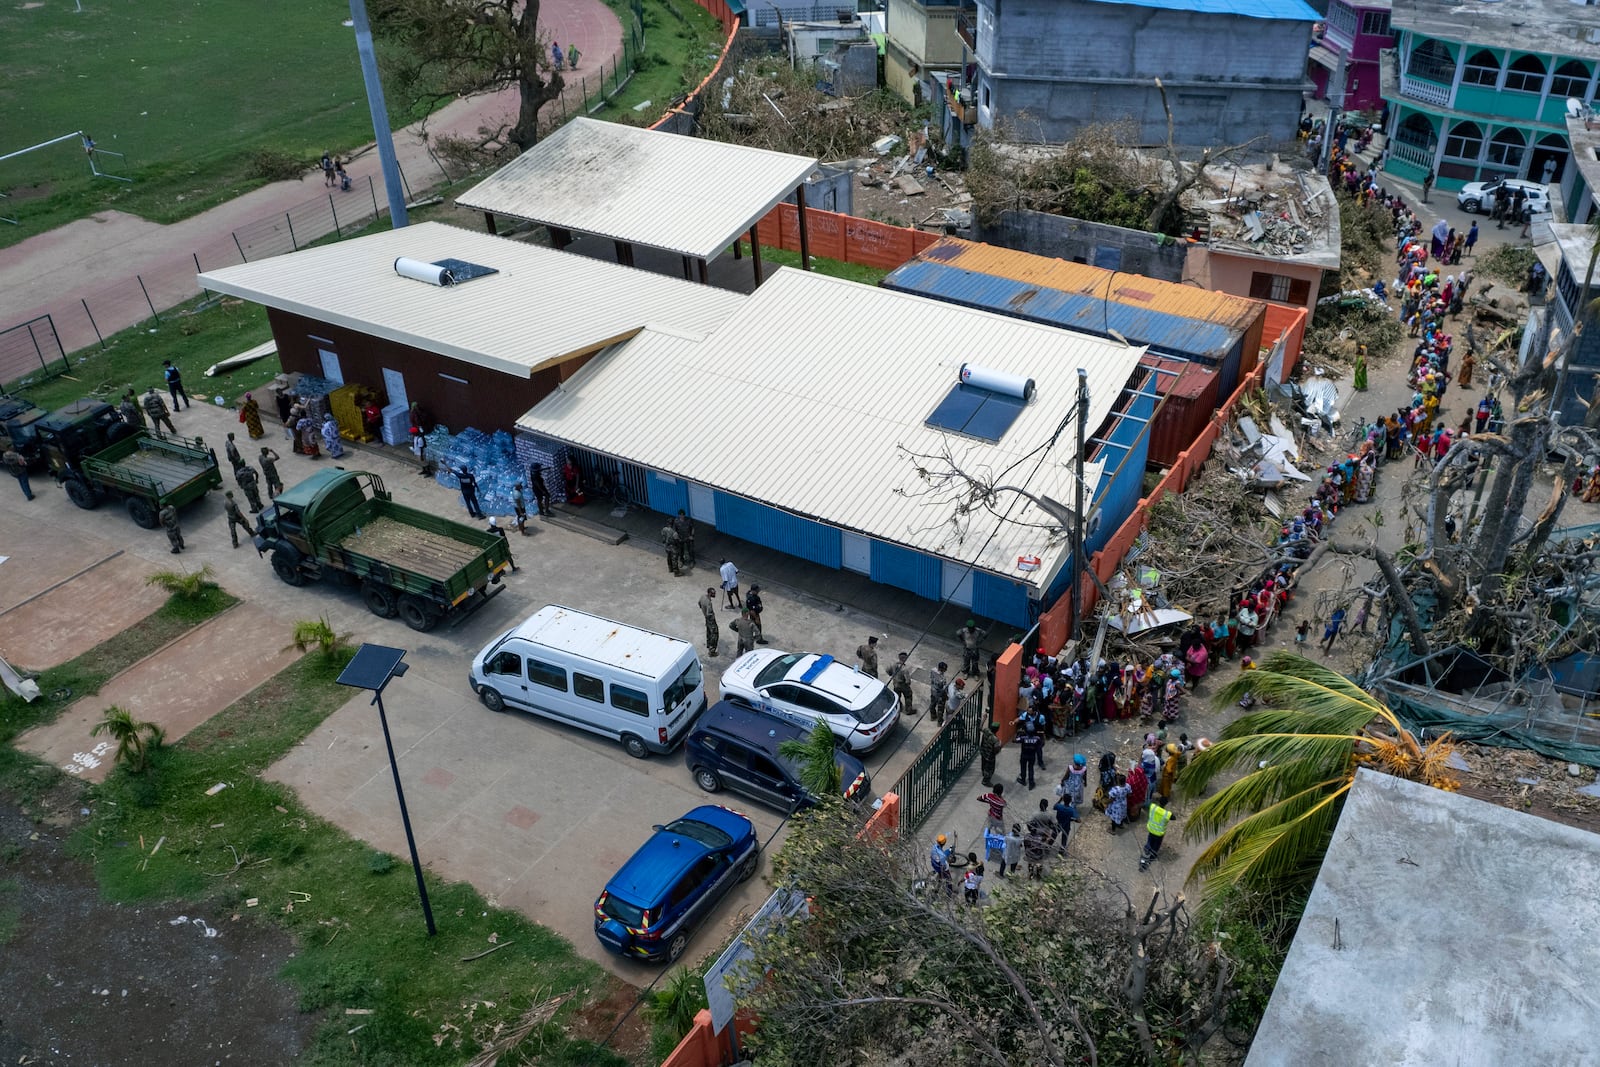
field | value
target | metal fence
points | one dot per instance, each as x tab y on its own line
31	347
597	86
940	764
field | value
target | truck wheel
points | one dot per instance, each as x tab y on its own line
635	746
492	699
286	565
81	494
142	512
417	613
380	599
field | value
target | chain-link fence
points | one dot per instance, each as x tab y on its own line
596	87
31	347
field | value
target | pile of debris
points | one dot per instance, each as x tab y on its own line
1268	209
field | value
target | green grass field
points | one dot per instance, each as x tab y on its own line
189	91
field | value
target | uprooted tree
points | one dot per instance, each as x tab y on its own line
891	965
449	48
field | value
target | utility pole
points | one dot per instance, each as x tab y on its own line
1079	564
1336	91
380	115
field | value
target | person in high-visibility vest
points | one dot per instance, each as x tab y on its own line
1156	826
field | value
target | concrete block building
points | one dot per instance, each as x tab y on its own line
1233	69
1355	34
1479	91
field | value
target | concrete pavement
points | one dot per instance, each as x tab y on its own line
534	815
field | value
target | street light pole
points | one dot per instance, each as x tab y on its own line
1079	564
373	667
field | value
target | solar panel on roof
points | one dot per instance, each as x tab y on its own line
976	412
462	271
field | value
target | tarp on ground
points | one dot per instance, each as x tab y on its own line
1501	731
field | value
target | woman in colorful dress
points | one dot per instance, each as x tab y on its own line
250	415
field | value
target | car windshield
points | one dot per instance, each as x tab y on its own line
696	830
779	668
620	910
686	683
878	708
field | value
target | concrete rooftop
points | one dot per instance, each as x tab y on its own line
1554	27
1297	210
1442	930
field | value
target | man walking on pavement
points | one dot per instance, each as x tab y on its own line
971	638
519	507
708	608
669	537
685	527
989	751
174	383
169	519
867	656
746	631
1031	743
1156	832
250	482
730	584
269	471
900	682
236	518
469	492
156	408
230	448
541	492
752	604
132	414
19	470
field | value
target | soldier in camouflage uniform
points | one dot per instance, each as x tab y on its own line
250	482
900	682
674	543
938	693
169	519
269	472
156	408
685	527
236	518
867	654
746	629
708	608
132	414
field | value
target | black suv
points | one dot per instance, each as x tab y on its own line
734	745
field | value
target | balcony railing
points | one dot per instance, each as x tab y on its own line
961	104
967	29
1425	91
1411	153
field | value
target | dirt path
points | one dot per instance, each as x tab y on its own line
84	981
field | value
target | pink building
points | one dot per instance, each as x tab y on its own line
1357	30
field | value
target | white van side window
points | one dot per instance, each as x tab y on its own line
588	687
630	700
547	674
504	663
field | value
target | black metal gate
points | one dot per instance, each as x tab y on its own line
941	763
31	347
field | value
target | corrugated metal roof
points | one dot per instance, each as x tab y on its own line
805	398
1090	314
542	307
1292	10
683	194
1135	290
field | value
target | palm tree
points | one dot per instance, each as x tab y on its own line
819	770
185	584
134	738
1303	754
318	634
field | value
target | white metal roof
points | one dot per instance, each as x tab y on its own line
626	647
681	194
542	307
803	399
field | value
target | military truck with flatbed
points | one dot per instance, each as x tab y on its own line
345	525
96	456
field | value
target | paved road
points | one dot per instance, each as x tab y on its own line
95	259
536	816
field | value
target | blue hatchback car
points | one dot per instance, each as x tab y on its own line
650	907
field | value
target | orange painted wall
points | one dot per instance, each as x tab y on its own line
843	237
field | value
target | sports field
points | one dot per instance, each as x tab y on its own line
191	91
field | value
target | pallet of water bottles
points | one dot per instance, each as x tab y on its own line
492	459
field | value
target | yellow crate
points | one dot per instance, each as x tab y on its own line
345	404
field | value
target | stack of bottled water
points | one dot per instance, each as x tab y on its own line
491	458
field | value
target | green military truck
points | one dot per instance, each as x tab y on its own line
96	456
17	419
408	563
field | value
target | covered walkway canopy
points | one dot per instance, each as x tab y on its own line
682	195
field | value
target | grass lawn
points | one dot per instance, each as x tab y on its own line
832	267
353	911
682	41
189	91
